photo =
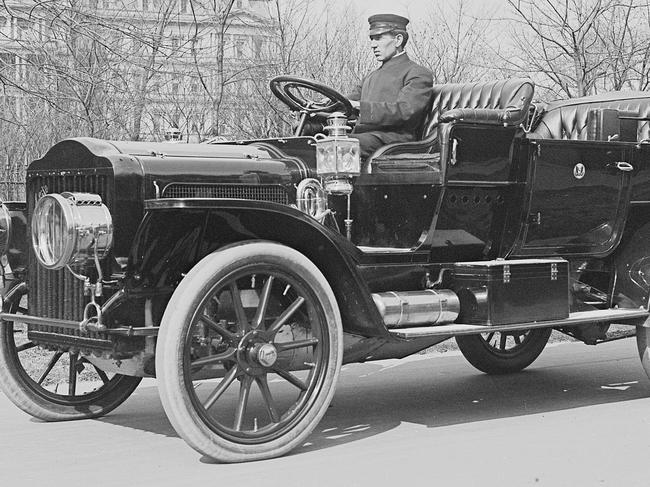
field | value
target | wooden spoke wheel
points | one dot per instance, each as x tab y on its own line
503	352
643	345
249	352
53	385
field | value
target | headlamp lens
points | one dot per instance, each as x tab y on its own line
68	228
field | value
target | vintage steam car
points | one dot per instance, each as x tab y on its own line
243	275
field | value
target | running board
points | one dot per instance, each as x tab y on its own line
580	317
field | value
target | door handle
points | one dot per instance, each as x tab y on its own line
621	166
454	149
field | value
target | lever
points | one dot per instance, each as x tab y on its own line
622	166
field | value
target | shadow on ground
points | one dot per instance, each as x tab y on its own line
442	390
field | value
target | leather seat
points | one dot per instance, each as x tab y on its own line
503	102
568	119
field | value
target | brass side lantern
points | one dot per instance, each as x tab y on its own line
338	160
337	156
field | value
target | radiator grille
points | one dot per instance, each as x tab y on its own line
268	192
57	294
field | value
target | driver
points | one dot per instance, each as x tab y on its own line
392	100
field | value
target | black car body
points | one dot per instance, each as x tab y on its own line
506	220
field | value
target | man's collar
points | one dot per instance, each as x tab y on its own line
397	57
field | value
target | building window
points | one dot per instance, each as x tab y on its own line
7	65
6	59
240	47
22	28
258	42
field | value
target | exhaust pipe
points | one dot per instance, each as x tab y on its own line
412	308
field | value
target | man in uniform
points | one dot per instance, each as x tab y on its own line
393	99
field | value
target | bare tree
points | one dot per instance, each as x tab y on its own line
579	47
626	44
81	64
453	40
330	48
216	16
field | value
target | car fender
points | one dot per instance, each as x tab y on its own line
631	260
175	234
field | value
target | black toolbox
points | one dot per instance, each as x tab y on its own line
500	292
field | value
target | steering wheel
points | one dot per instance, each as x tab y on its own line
288	90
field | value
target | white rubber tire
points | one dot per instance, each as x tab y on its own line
643	345
171	343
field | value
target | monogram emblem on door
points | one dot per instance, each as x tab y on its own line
579	171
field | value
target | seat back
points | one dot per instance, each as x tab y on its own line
500	103
574	118
513	95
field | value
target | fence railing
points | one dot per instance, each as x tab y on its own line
12	182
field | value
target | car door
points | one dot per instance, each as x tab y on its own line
577	197
393	206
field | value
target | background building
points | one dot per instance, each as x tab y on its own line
126	69
136	67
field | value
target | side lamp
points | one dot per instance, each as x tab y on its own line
337	156
338	160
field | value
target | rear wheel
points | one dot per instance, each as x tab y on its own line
249	352
503	352
53	385
643	344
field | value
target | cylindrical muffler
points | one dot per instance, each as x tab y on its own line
410	308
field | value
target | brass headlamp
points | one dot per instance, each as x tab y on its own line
71	229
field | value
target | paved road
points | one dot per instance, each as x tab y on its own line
577	417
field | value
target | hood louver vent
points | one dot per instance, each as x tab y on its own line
269	192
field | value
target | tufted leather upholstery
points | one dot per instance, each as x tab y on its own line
503	102
568	119
499	102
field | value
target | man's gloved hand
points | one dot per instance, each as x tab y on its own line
325	102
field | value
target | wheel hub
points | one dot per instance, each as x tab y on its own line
265	354
256	353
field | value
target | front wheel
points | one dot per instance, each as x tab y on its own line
503	352
249	352
53	385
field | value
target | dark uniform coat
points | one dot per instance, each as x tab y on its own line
394	100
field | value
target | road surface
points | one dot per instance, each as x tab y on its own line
577	417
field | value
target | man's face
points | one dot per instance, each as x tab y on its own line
385	46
